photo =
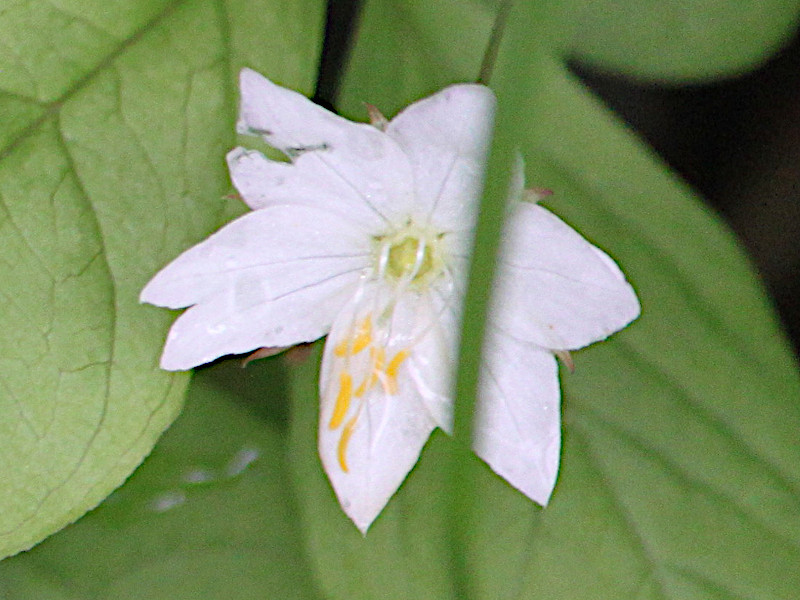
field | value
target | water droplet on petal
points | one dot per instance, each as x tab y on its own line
216	329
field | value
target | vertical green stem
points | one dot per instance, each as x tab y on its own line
482	268
493	47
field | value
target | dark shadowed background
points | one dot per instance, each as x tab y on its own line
737	142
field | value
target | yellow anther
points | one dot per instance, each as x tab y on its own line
361	338
379	371
363	387
377	361
392	369
342	400
378	356
347	432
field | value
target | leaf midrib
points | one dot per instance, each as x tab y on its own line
51	109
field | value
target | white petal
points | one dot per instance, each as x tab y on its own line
221	326
555	289
433	363
343	154
517	426
435	360
274	277
278	248
446	137
384	447
384	430
263	182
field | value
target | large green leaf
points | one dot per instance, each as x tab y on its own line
678	39
117	116
660	40
681	466
208	515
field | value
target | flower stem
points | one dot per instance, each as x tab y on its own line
493	47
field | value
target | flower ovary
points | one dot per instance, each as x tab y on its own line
410	258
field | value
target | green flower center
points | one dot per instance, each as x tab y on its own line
409	258
410	255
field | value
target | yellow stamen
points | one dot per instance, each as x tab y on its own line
342	400
363	387
393	368
361	338
377	360
347	432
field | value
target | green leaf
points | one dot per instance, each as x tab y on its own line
208	515
431	62
117	116
678	40
681	467
659	40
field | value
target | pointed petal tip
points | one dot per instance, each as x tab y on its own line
637	305
362	516
247	75
171	363
178	356
253	85
541	494
234	155
471	88
147	295
159	292
538	488
366	519
632	309
477	93
544	499
363	527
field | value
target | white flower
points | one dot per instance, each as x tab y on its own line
365	236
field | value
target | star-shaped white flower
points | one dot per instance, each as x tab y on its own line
365	236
